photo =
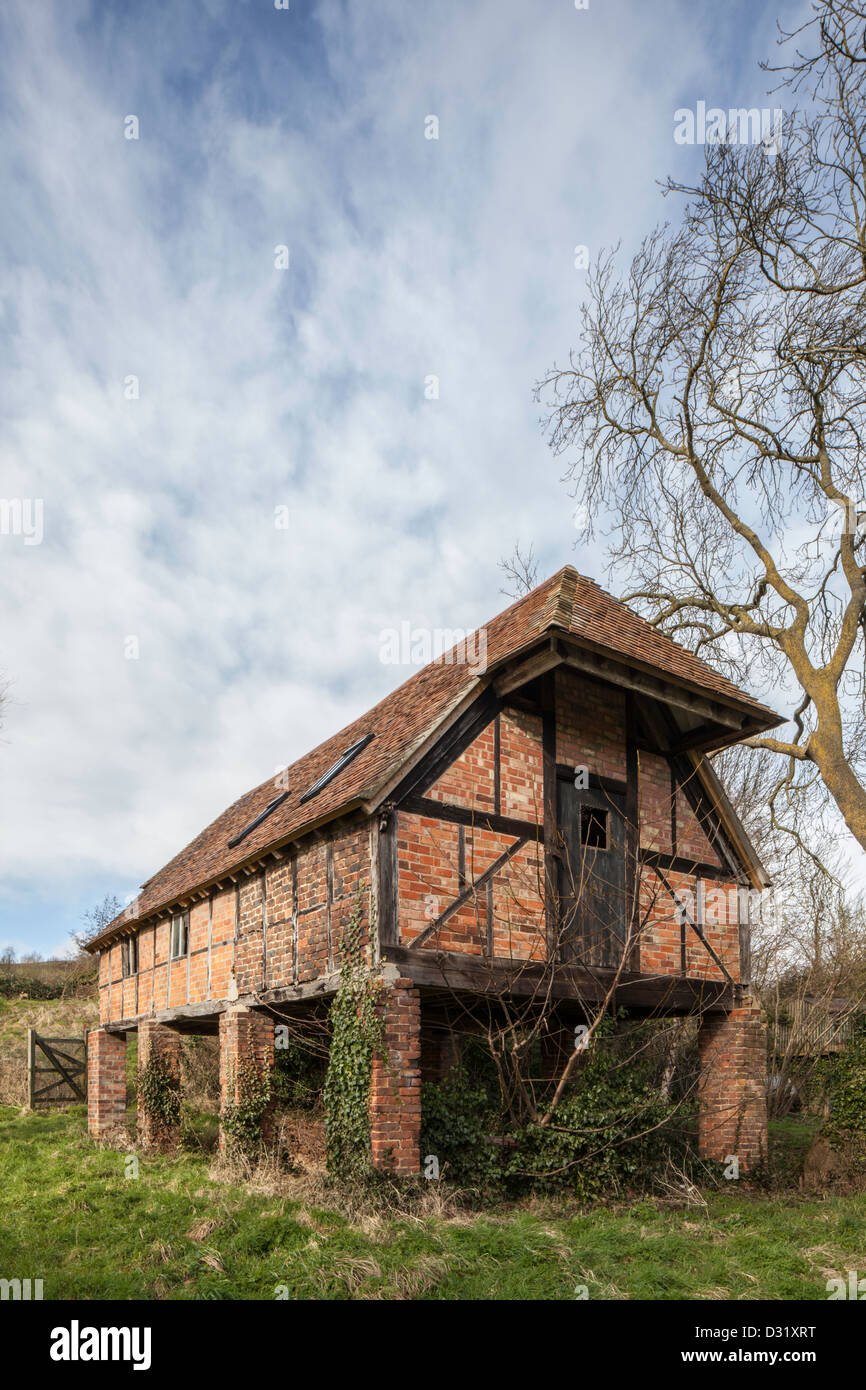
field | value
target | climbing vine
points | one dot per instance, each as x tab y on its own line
845	1128
241	1121
158	1090
357	1034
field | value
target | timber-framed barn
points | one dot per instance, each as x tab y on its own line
475	808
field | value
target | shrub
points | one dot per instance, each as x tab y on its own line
13	985
299	1075
609	1132
241	1120
846	1127
159	1096
458	1121
357	1031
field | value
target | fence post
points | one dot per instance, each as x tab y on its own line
31	1065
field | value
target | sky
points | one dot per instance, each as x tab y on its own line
275	289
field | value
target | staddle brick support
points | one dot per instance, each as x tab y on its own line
733	1096
161	1045
246	1052
395	1085
106	1082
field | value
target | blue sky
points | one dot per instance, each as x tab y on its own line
303	389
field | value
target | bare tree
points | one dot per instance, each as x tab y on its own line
808	955
96	919
520	571
718	402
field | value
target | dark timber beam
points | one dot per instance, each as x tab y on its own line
469	892
464	815
535	665
659	994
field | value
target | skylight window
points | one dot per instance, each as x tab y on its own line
263	815
336	767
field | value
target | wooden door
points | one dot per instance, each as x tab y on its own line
593	901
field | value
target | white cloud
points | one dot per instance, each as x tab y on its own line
260	388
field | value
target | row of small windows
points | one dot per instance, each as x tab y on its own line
179	945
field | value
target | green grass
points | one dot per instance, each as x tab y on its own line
69	1215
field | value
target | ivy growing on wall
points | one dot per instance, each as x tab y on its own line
241	1121
357	1033
846	1127
158	1089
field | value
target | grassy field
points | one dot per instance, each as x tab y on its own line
70	1215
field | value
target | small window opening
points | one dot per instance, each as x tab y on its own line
593	827
179	935
129	956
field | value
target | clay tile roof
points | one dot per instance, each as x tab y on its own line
407	718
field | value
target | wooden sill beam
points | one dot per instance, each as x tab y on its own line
655	994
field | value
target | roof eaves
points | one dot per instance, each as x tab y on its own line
242	866
401	766
708	692
734	828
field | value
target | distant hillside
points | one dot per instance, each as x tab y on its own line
50	971
47	979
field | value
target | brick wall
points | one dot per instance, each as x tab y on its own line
273	928
469	781
395	1086
106	1083
713	904
429	858
733	1060
246	1051
162	1045
590	725
520	775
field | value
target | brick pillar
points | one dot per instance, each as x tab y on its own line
160	1045
733	1060
106	1083
395	1086
246	1051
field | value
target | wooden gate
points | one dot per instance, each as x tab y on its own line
64	1059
